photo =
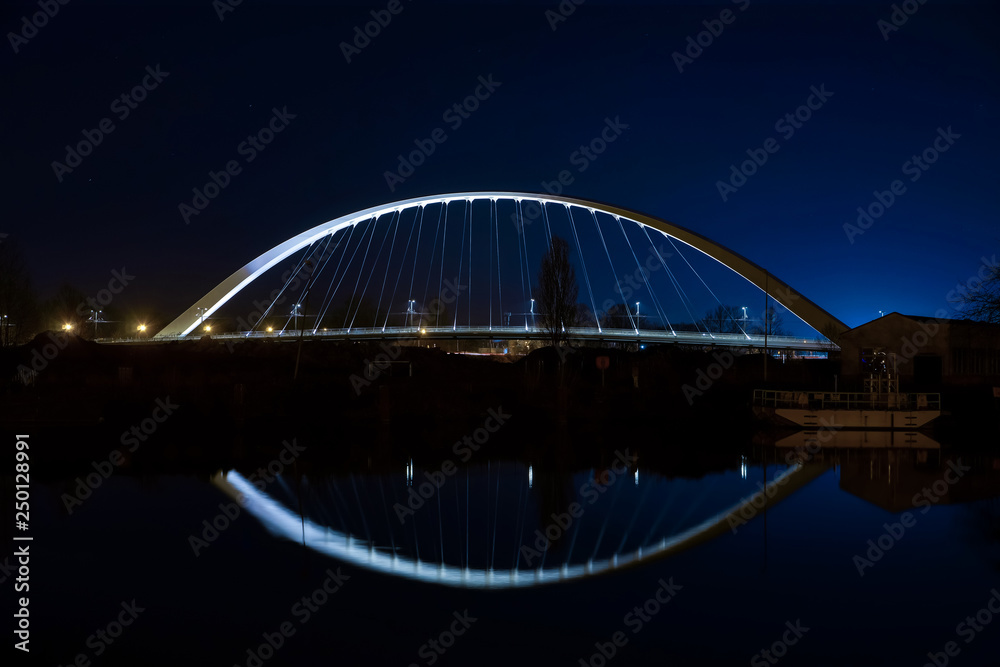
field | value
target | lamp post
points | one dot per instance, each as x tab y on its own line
141	329
409	309
96	316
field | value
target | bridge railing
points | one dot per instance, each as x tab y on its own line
829	400
515	332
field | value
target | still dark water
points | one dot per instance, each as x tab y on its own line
643	567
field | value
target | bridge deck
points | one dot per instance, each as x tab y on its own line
521	333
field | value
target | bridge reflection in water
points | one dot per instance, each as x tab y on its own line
507	525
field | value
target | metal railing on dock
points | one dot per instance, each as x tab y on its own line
832	400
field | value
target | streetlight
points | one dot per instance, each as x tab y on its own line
67	327
208	327
409	310
270	329
637	309
141	328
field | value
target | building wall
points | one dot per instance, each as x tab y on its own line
927	351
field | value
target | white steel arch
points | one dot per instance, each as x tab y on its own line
796	303
285	523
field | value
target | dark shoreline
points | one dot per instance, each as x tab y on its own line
242	402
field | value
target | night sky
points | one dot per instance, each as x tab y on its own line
885	96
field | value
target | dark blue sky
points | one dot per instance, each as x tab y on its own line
887	100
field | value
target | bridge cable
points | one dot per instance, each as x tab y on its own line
311	281
548	227
350	303
612	264
467	511
430	263
604	526
519	228
496	515
583	264
527	262
331	488
416	252
317	249
470	262
385	277
371	225
328	298
444	236
385	508
357	497
681	294
674	490
402	263
693	506
576	529
652	294
458	521
440	526
461	258
635	514
517	518
396	216
707	287
496	216
298	267
490	272
522	519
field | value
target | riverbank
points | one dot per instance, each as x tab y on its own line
353	399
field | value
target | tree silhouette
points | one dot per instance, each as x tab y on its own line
557	291
982	303
773	324
721	319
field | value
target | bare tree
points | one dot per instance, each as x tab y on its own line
721	319
618	316
982	303
773	324
557	291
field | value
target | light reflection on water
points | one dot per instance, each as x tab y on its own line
506	524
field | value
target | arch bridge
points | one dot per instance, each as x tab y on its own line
466	265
